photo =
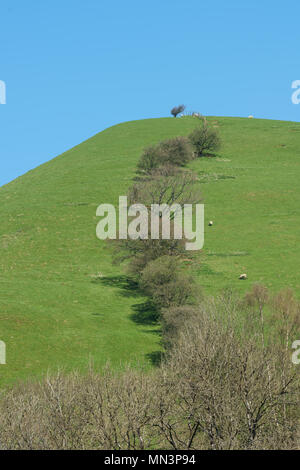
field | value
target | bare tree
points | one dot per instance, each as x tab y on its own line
163	187
177	110
209	393
221	378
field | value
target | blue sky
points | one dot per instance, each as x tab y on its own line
73	68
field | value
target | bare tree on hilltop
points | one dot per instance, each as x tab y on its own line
177	110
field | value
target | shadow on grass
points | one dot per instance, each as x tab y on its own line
226	255
144	313
209	155
129	287
155	358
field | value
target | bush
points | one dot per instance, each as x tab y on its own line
204	140
177	110
177	151
164	187
141	252
173	320
166	284
149	159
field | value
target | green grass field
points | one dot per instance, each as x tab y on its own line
57	310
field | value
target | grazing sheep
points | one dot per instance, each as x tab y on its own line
243	276
210	223
250	117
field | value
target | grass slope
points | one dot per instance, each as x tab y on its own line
55	312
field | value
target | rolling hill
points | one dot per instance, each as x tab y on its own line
62	301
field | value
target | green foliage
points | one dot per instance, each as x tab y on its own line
205	140
164	281
176	151
140	252
149	160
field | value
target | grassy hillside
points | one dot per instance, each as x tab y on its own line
63	303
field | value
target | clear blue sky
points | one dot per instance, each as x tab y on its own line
73	68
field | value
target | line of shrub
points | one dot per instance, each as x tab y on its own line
226	382
157	264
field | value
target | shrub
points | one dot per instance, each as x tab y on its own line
165	283
177	110
162	186
177	187
173	320
149	159
141	252
204	140
177	151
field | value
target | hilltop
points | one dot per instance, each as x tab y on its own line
63	302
